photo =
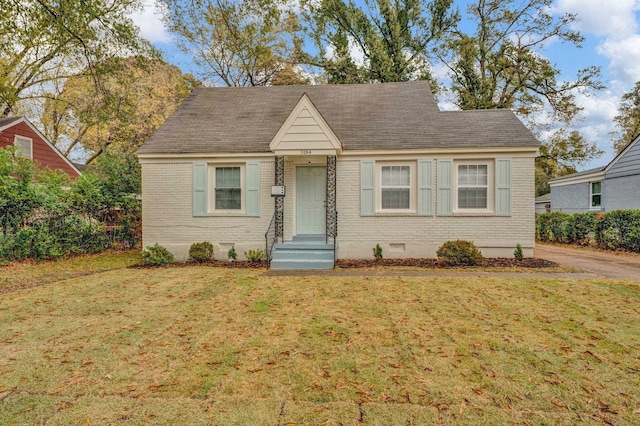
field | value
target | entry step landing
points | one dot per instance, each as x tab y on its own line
303	252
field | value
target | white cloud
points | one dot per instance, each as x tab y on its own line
615	22
615	25
608	18
150	23
624	56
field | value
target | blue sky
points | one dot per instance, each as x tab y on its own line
612	41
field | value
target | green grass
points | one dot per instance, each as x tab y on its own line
20	275
202	345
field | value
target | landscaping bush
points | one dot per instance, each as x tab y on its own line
232	255
619	229
377	252
614	230
201	252
255	255
517	253
156	255
459	252
45	215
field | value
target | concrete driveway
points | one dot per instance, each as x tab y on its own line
600	263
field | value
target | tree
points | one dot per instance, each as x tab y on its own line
45	41
132	103
234	42
290	76
393	37
560	155
500	65
628	119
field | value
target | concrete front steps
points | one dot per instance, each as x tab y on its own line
304	252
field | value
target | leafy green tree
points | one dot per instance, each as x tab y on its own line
628	119
135	99
46	41
500	65
235	42
561	155
18	197
393	37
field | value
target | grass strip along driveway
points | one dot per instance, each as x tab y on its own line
203	345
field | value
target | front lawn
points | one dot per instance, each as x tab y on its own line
203	345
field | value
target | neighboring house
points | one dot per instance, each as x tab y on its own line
359	165
543	203
615	186
19	132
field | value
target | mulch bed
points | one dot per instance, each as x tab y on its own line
500	262
368	263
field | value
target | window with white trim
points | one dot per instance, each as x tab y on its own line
24	145
474	187
396	186
227	184
596	195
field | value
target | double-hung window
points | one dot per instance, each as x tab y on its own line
228	188
24	146
396	187
473	187
596	195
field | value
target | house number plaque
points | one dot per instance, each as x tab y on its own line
305	152
277	190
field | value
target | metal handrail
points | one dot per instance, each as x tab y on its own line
335	237
270	235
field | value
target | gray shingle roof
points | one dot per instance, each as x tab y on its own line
578	174
8	120
363	116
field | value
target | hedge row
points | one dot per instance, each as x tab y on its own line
44	215
618	229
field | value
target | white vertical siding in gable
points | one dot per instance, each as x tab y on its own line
305	129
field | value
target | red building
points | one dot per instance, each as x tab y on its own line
18	131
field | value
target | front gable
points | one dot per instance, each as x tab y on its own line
41	150
305	132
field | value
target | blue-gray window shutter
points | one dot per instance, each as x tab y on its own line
425	188
367	188
252	194
199	189
445	188
503	187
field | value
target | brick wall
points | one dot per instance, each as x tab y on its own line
167	216
168	220
420	236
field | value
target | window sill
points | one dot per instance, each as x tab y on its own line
396	213
474	213
227	213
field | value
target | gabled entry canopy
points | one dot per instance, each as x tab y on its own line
305	132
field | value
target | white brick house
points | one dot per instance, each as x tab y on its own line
360	165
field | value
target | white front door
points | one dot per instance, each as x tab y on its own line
310	200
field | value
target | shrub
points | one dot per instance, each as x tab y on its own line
459	252
232	255
201	252
517	253
156	255
377	252
255	255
